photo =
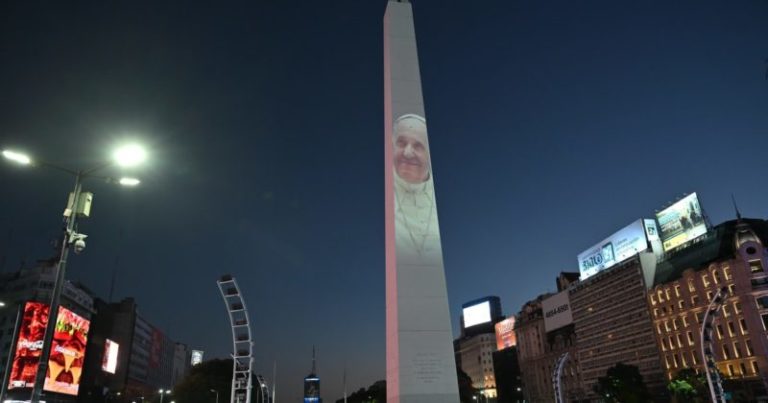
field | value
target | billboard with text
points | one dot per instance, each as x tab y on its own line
681	222
557	311
625	243
505	333
65	364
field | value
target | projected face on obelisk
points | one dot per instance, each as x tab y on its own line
418	236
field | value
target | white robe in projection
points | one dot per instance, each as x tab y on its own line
416	228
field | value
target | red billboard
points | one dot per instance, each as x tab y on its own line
65	364
505	333
29	345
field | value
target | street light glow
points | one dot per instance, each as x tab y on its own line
129	181
2	304
17	157
130	155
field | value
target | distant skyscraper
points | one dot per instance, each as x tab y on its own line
420	364
312	384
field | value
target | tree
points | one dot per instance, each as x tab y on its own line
466	390
622	383
688	386
209	375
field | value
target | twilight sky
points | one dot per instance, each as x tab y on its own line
552	125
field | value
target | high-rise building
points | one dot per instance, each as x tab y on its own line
733	256
312	383
475	347
420	363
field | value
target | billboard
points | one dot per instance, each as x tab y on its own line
557	311
681	222
197	357
109	360
625	243
65	364
29	345
67	353
505	333
477	314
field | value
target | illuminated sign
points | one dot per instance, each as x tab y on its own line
67	353
477	314
681	222
29	345
197	357
557	311
505	333
109	361
625	243
65	364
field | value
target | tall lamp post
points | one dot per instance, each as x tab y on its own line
79	205
217	394
163	393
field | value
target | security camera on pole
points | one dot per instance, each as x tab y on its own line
79	205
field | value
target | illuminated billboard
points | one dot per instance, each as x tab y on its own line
29	345
505	333
65	364
109	361
681	222
197	357
477	314
67	353
625	243
557	311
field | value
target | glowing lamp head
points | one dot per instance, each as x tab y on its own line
129	181
130	155
18	158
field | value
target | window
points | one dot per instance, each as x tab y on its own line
660	295
658	329
743	326
677	290
716	276
705	280
694	300
693	358
762	302
655	312
726	353
685	320
737	307
755	266
679	341
675	324
731	287
719	332
653	299
682	358
699	317
681	304
674	359
671	343
666	293
727	273
730	370
691	287
690	338
736	351
748	346
725	310
709	296
755	370
663	344
765	320
743	368
666	325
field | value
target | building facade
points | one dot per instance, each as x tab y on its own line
613	325
733	256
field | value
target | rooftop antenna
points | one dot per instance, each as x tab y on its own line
736	207
314	367
345	383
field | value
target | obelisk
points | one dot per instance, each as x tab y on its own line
420	359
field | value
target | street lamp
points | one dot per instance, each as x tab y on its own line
163	393
217	394
79	205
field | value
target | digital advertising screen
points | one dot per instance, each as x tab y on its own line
681	222
109	361
625	243
197	357
29	345
65	364
505	333
67	353
477	314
